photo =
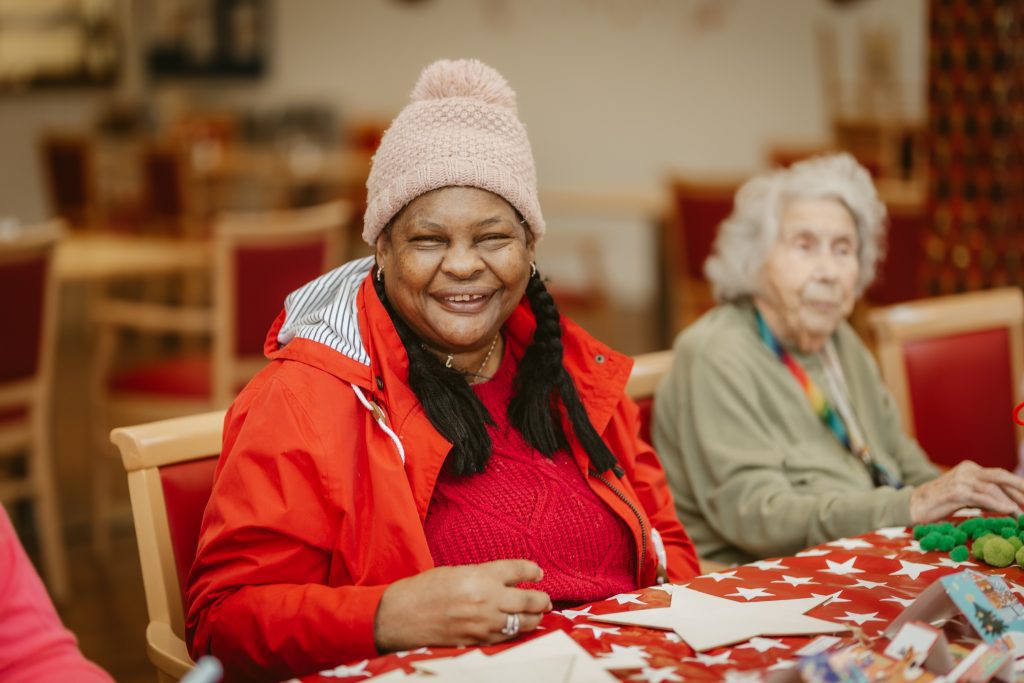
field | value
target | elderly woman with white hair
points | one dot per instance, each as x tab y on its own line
774	427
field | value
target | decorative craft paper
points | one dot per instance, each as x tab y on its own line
707	621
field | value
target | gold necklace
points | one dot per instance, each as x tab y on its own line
451	357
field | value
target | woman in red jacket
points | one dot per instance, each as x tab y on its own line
433	456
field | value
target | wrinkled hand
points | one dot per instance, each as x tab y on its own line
967	485
464	605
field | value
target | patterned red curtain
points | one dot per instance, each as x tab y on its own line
976	135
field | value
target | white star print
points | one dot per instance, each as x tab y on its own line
967	512
813	552
417	651
599	630
750	593
673	637
764	644
667	587
344	671
893	532
860	619
950	562
659	675
842	568
623	598
833	598
850	543
710	660
912	569
573	613
782	664
796	580
721	576
914	547
765	565
902	601
742	677
864	583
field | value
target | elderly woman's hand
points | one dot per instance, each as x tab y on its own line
967	485
465	605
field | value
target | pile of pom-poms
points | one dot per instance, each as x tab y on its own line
998	541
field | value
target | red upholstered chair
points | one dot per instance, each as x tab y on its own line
29	310
648	369
898	276
68	166
954	366
697	210
170	467
259	258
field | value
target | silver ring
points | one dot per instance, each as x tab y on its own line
511	625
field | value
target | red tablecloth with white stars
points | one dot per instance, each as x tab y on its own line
871	578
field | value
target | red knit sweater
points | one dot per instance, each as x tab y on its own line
524	505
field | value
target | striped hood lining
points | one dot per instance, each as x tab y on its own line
324	311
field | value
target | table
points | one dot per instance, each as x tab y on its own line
91	257
873	577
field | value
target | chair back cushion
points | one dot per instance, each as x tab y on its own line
66	164
897	279
186	487
164	183
264	276
22	311
698	218
961	395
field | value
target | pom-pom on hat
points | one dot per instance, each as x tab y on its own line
461	129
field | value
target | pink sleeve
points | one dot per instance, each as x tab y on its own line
34	645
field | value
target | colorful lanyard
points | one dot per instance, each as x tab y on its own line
824	410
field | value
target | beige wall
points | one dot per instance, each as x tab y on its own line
615	93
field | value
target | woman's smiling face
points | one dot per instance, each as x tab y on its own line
456	263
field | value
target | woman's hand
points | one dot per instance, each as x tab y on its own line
967	485
465	605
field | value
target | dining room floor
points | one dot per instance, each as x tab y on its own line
107	607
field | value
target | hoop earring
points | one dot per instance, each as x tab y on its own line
380	272
533	269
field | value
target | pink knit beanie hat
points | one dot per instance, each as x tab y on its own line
461	128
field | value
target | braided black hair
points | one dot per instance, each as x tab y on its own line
450	404
542	379
459	416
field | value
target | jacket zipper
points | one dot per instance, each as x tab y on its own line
639	518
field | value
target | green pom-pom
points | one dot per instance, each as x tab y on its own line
922	530
944	528
959	554
998	552
946	543
1008	531
1016	543
968	525
931	541
977	549
1020	521
1020	557
980	531
959	537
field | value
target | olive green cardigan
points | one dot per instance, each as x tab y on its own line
754	471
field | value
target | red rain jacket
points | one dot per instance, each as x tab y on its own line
313	513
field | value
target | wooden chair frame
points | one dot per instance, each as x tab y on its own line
289	227
941	316
34	395
144	450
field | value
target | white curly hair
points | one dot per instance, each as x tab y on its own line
748	234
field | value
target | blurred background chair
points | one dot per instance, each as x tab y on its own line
69	177
954	364
29	312
648	369
170	466
688	234
258	259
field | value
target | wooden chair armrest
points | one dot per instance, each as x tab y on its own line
167	651
708	566
152	317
